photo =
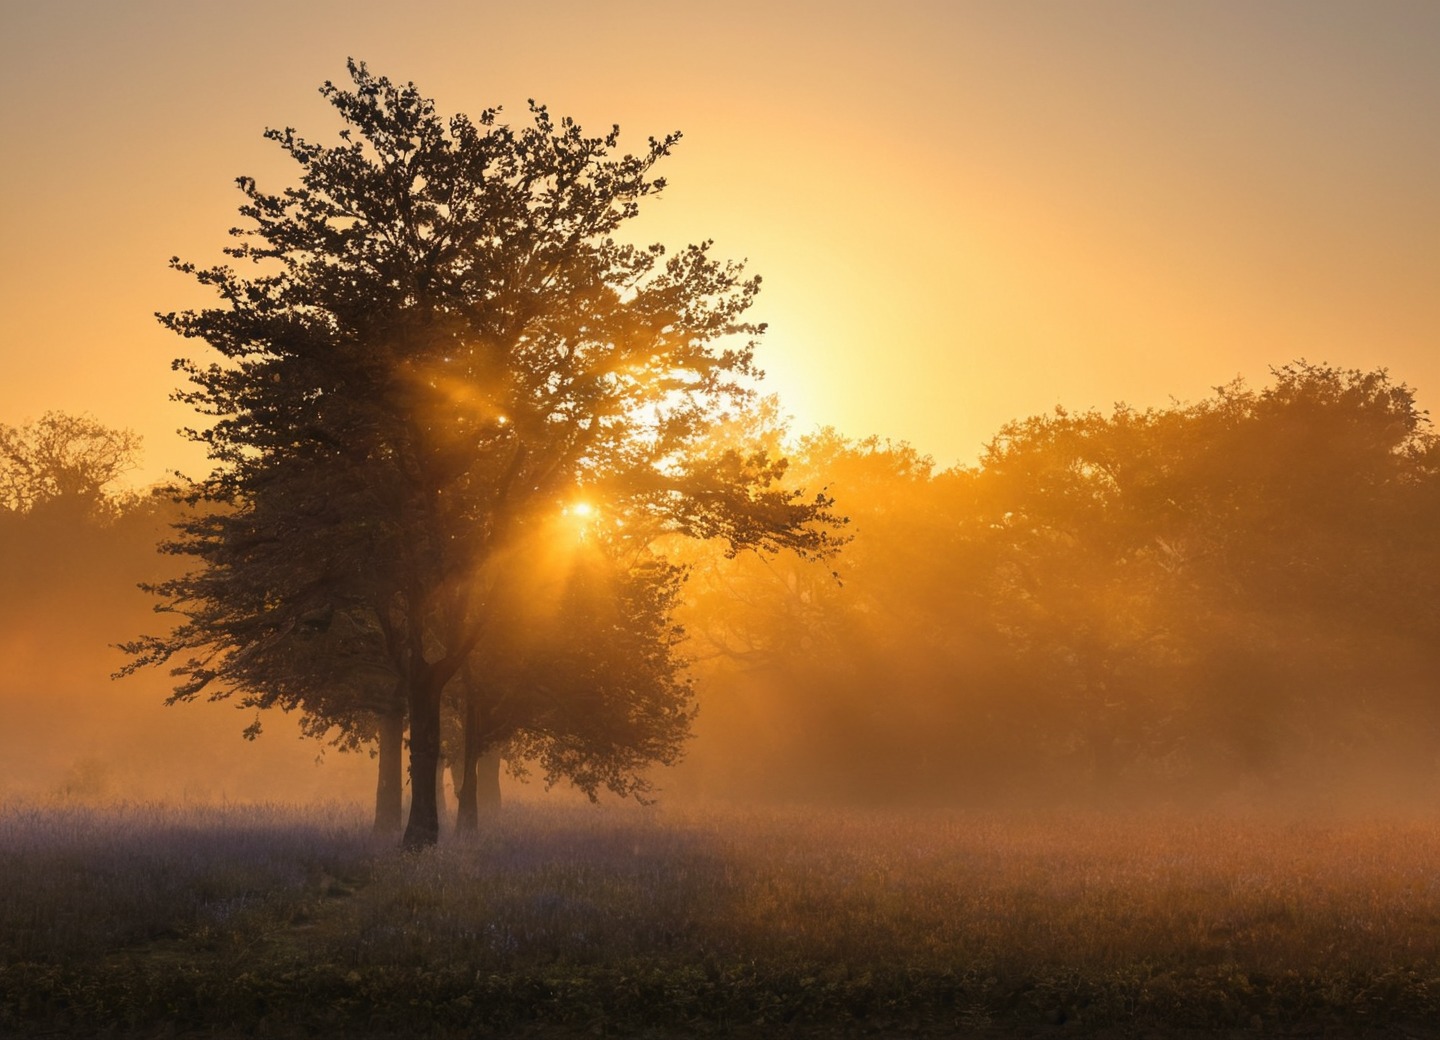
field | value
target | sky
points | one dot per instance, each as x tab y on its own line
964	212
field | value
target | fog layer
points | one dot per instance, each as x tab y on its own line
1233	602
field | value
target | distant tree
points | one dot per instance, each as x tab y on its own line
863	687
60	460
1086	589
61	517
1314	551
1214	579
442	343
73	545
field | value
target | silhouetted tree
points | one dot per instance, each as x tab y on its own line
442	341
62	521
63	461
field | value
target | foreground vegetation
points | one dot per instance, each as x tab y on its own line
141	920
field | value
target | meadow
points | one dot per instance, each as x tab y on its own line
150	920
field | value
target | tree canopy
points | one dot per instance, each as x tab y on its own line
437	339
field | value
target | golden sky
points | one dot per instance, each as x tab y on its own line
964	212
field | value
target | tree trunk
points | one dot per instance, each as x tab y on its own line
423	828
457	773
487	780
440	787
390	785
478	782
480	791
467	817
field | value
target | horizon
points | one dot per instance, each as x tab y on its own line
963	214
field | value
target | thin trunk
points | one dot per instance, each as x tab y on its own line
467	817
457	775
423	828
440	787
390	785
487	780
480	792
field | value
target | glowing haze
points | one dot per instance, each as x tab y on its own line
964	212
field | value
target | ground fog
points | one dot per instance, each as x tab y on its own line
576	918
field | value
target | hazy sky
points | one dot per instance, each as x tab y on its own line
964	212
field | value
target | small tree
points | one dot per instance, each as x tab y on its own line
441	343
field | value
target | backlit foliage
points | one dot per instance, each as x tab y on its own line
434	341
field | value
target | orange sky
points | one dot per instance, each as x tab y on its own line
964	212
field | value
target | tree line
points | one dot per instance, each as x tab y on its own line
1236	595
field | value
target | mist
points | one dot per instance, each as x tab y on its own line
72	567
1223	604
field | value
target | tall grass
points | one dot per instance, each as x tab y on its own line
577	916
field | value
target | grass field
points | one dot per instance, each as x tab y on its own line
153	921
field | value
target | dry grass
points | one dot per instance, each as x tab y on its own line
576	918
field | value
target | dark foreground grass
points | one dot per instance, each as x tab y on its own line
151	921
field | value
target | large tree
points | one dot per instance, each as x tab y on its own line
436	340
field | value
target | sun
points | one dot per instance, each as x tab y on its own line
580	510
